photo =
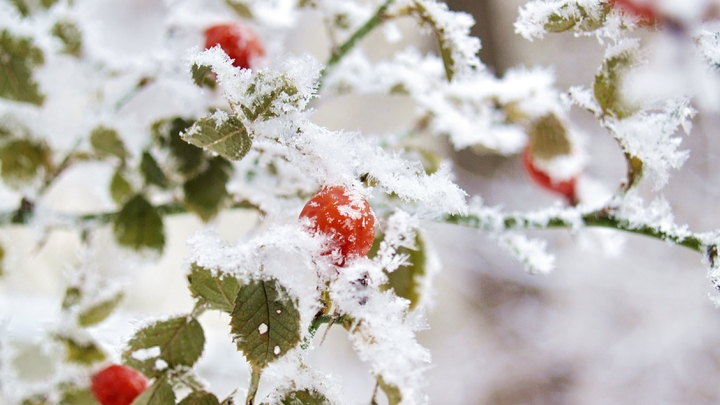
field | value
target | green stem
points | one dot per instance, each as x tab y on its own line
602	218
339	53
254	385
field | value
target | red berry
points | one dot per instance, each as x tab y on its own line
238	41
345	217
645	10
563	187
118	385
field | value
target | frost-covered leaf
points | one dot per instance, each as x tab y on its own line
608	81
218	290
241	8
151	171
82	353
106	141
159	393
265	322
548	138
18	57
120	188
99	311
187	158
202	76
166	344
70	35
406	279
200	398
539	17
268	93
139	225
206	193
22	159
392	393
72	297
73	395
304	397
220	133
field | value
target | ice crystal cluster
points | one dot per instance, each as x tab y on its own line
163	127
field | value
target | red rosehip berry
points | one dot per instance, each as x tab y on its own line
118	385
345	217
238	41
565	188
644	10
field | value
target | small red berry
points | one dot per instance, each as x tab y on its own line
238	41
645	10
118	385
345	217
563	187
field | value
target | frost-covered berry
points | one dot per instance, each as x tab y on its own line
239	42
563	187
118	385
345	217
644	10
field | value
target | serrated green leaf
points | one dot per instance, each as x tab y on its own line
139	225
188	157
274	89
406	280
265	322
151	171
224	135
82	353
240	8
98	312
70	35
392	393
106	141
200	398
202	76
206	192
159	393
22	159
177	341
18	58
219	291
304	397
72	395
548	138
120	188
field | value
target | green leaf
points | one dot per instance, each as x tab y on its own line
177	341
2	256
202	76
240	8
406	280
98	312
139	225
187	157
548	138
200	398
22	159
275	89
151	171
159	393
392	392
265	322
70	35
218	290
304	397
18	58
608	85
120	188
559	23
73	294
222	134
73	395
206	192
106	141
82	353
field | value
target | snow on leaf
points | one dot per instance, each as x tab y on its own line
181	341
264	302
217	289
220	133
587	17
530	252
